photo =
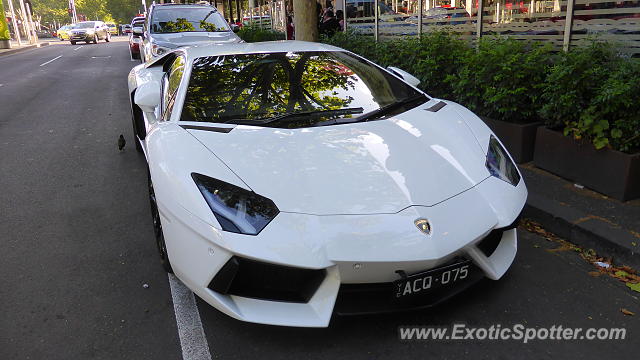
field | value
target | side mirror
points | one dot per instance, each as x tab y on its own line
410	79
148	98
235	28
137	30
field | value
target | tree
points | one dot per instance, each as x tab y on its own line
306	19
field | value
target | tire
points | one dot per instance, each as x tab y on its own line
157	229
73	42
87	41
135	56
108	38
95	39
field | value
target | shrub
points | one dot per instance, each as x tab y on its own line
503	79
252	33
429	59
612	117
574	81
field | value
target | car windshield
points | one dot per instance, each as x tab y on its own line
293	90
181	19
85	25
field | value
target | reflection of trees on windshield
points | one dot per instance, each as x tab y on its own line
264	85
210	27
177	26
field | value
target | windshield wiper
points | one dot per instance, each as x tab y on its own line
292	115
390	108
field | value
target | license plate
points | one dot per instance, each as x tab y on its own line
432	279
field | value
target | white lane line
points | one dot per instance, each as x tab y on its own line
192	340
52	60
78	48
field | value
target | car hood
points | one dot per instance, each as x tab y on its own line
381	166
175	40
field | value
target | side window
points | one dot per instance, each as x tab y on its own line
170	85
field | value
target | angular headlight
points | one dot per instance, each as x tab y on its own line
159	50
499	163
236	209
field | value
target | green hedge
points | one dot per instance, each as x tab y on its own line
251	33
589	93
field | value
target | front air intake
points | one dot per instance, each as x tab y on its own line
260	280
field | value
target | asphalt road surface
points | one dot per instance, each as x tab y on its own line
77	249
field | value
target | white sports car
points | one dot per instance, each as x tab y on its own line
292	180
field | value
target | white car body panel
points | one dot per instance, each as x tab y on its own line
348	196
391	174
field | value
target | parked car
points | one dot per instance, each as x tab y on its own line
113	29
135	36
89	31
170	26
63	32
291	180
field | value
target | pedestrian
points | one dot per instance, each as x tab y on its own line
290	29
329	24
340	17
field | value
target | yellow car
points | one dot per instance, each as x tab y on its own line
113	29
63	32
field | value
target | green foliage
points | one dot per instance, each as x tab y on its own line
502	79
251	33
429	59
573	82
179	25
119	11
612	116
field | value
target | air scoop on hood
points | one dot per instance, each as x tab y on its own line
382	166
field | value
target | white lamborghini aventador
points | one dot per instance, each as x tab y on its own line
291	180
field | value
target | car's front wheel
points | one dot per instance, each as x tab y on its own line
157	229
108	38
95	39
73	42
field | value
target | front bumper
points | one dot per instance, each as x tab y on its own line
358	254
82	37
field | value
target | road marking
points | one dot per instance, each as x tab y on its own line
52	60
78	48
192	340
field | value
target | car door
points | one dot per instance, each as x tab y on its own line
97	29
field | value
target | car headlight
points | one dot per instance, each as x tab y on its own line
157	50
499	163
236	209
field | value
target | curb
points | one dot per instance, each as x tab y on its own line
24	48
609	240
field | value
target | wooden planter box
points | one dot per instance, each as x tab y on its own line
519	139
607	171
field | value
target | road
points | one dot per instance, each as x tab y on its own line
78	247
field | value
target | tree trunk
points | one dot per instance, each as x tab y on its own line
305	20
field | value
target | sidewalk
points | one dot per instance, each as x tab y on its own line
25	46
584	217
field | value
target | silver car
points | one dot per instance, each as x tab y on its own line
89	31
170	26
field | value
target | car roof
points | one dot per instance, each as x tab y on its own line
259	47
